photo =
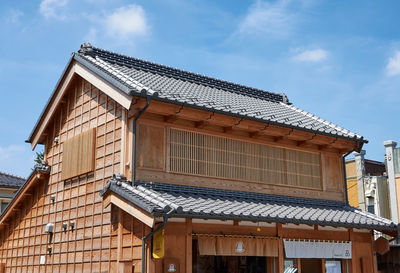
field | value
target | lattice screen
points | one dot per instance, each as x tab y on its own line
212	156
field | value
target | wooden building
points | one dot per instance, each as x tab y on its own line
154	169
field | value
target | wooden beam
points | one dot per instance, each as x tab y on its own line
202	124
170	118
301	143
75	68
140	214
255	134
227	129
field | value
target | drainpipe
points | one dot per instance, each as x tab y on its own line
344	170
134	137
151	234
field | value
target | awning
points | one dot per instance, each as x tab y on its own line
209	203
232	245
317	249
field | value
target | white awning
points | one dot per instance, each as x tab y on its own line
317	249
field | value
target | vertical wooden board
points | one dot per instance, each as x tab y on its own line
175	242
150	147
332	171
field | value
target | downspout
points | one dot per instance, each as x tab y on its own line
134	139
344	170
151	234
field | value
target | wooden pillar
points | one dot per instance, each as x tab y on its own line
323	265
298	265
189	246
373	253
353	252
119	243
280	249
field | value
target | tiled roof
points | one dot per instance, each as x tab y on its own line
11	181
133	76
207	203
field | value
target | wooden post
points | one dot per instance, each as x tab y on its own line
353	252
280	250
299	265
323	265
189	246
373	253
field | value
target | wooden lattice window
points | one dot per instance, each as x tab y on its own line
78	154
212	156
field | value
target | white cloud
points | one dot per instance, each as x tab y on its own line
268	18
53	8
315	55
277	18
127	22
393	66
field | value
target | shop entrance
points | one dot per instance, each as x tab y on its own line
230	264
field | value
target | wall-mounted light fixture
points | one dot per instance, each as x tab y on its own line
72	225
65	226
49	228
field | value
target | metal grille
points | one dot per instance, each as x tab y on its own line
212	156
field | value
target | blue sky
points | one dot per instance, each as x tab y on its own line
339	60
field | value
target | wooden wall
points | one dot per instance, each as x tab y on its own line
89	247
153	164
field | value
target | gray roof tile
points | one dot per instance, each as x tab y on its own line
11	181
196	202
182	87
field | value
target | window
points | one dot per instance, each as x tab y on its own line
333	266
78	154
371	209
290	266
220	157
3	206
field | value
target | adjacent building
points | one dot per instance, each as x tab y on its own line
9	185
367	185
149	168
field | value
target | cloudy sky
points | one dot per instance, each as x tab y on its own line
339	60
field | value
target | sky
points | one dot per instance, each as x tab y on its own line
339	60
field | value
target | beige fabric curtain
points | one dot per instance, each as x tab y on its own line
207	245
237	246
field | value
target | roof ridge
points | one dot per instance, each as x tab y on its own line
12	175
88	49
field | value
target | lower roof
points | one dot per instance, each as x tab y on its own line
11	181
208	203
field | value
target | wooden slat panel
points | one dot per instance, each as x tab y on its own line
78	154
212	156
